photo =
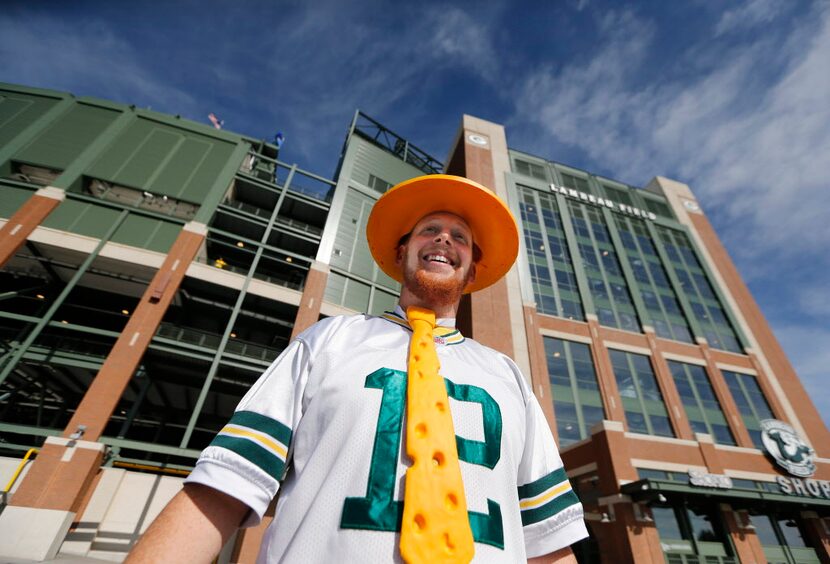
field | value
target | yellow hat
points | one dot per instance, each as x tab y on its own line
398	210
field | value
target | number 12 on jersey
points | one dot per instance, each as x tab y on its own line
378	511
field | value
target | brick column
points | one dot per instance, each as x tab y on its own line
60	476
709	453
25	220
747	546
817	531
605	373
309	310
486	313
539	377
730	409
627	536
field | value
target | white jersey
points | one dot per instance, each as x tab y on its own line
328	417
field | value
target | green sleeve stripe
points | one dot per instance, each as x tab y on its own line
252	452
263	424
542	484
550	509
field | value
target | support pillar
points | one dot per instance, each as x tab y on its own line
25	220
627	536
605	373
817	531
315	287
60	476
485	315
727	402
747	545
539	377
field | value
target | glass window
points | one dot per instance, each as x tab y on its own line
707	308
702	407
645	411
577	402
551	270
640	252
751	403
668	527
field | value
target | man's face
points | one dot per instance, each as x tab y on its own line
437	260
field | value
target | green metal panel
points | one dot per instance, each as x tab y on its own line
351	249
382	301
335	285
81	218
356	296
147	233
19	110
60	143
164	160
372	160
12	199
216	190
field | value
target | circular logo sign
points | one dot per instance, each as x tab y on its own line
787	448
477	139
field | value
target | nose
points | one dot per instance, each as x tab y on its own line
443	236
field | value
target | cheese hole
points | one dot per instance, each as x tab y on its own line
421	430
452	501
438	459
422	344
420	522
439	405
448	542
417	358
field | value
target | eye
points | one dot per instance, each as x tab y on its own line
461	237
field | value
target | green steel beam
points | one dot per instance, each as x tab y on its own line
576	257
43	322
217	192
235	313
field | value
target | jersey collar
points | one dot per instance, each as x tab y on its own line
445	332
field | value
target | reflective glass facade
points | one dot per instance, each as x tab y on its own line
576	399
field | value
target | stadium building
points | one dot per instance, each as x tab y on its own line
152	268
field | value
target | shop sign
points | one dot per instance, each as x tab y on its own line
698	478
806	488
614	206
787	449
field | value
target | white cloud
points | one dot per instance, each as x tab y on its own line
754	154
751	14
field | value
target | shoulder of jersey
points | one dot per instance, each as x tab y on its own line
341	326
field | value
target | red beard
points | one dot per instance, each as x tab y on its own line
434	289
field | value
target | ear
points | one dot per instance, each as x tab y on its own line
471	276
399	256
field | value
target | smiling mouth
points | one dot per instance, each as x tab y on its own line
439	259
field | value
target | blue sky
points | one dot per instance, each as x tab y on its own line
732	98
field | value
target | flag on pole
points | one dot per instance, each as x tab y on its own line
217	123
279	139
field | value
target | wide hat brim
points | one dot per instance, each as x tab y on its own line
398	210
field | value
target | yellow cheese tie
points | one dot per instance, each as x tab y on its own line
435	526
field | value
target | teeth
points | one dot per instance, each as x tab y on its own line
438	258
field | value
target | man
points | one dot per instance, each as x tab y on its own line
333	406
